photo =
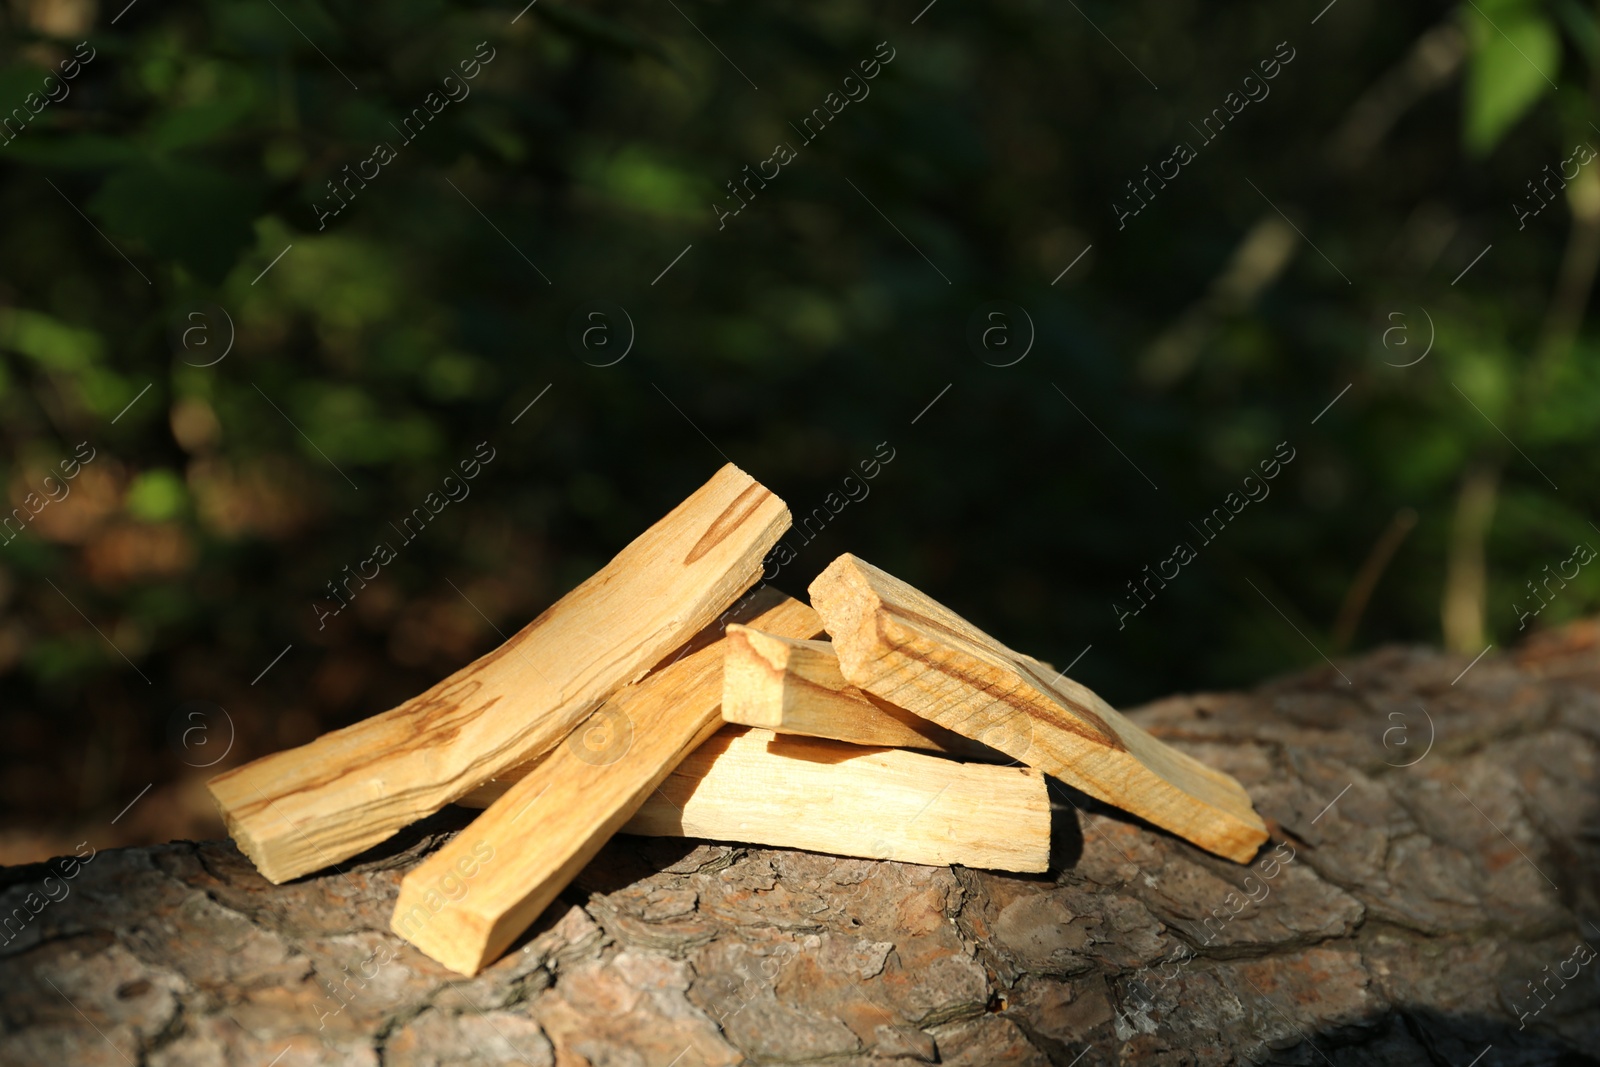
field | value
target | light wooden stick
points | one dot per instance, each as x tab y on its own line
472	898
793	686
300	810
879	803
908	649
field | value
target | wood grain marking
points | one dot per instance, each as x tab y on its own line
431	717
916	618
733	516
1094	729
443	719
774	670
1108	735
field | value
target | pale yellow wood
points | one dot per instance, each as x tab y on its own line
789	791
906	648
793	686
495	788
297	811
509	864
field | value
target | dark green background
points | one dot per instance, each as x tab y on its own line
796	339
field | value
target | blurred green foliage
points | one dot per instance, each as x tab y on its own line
378	351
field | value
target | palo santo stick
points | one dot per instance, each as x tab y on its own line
793	686
827	796
467	902
300	810
908	649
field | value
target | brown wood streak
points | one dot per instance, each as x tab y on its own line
739	509
1113	739
793	678
774	670
849	692
436	736
1078	720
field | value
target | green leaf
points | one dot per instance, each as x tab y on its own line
156	496
197	216
200	122
48	341
640	178
1516	56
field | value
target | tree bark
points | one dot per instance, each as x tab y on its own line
1426	897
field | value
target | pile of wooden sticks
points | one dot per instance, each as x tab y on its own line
662	696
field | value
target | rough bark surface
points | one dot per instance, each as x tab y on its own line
1398	917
